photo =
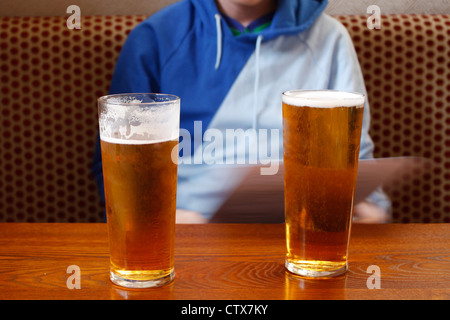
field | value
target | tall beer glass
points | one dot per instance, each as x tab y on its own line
139	142
321	140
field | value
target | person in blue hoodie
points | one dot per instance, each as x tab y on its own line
229	61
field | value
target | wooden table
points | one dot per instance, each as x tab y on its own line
225	261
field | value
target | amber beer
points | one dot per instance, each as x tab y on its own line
321	140
140	181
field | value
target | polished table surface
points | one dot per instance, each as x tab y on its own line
225	261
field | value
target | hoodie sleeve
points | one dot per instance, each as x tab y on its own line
346	75
135	71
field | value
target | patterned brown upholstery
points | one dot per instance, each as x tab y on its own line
51	77
406	67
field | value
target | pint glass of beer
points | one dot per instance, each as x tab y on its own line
139	143
321	140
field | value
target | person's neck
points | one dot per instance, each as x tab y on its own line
245	14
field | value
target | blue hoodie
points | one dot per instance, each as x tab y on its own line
230	82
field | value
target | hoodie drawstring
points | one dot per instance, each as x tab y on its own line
219	40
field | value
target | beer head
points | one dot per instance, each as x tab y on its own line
323	98
139	117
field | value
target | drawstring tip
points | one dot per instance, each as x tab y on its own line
219	41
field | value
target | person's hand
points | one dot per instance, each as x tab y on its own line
186	216
366	212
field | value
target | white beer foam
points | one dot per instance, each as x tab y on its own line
132	142
323	99
138	122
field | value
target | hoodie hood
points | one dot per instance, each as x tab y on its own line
291	17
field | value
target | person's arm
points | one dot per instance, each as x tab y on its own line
186	216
